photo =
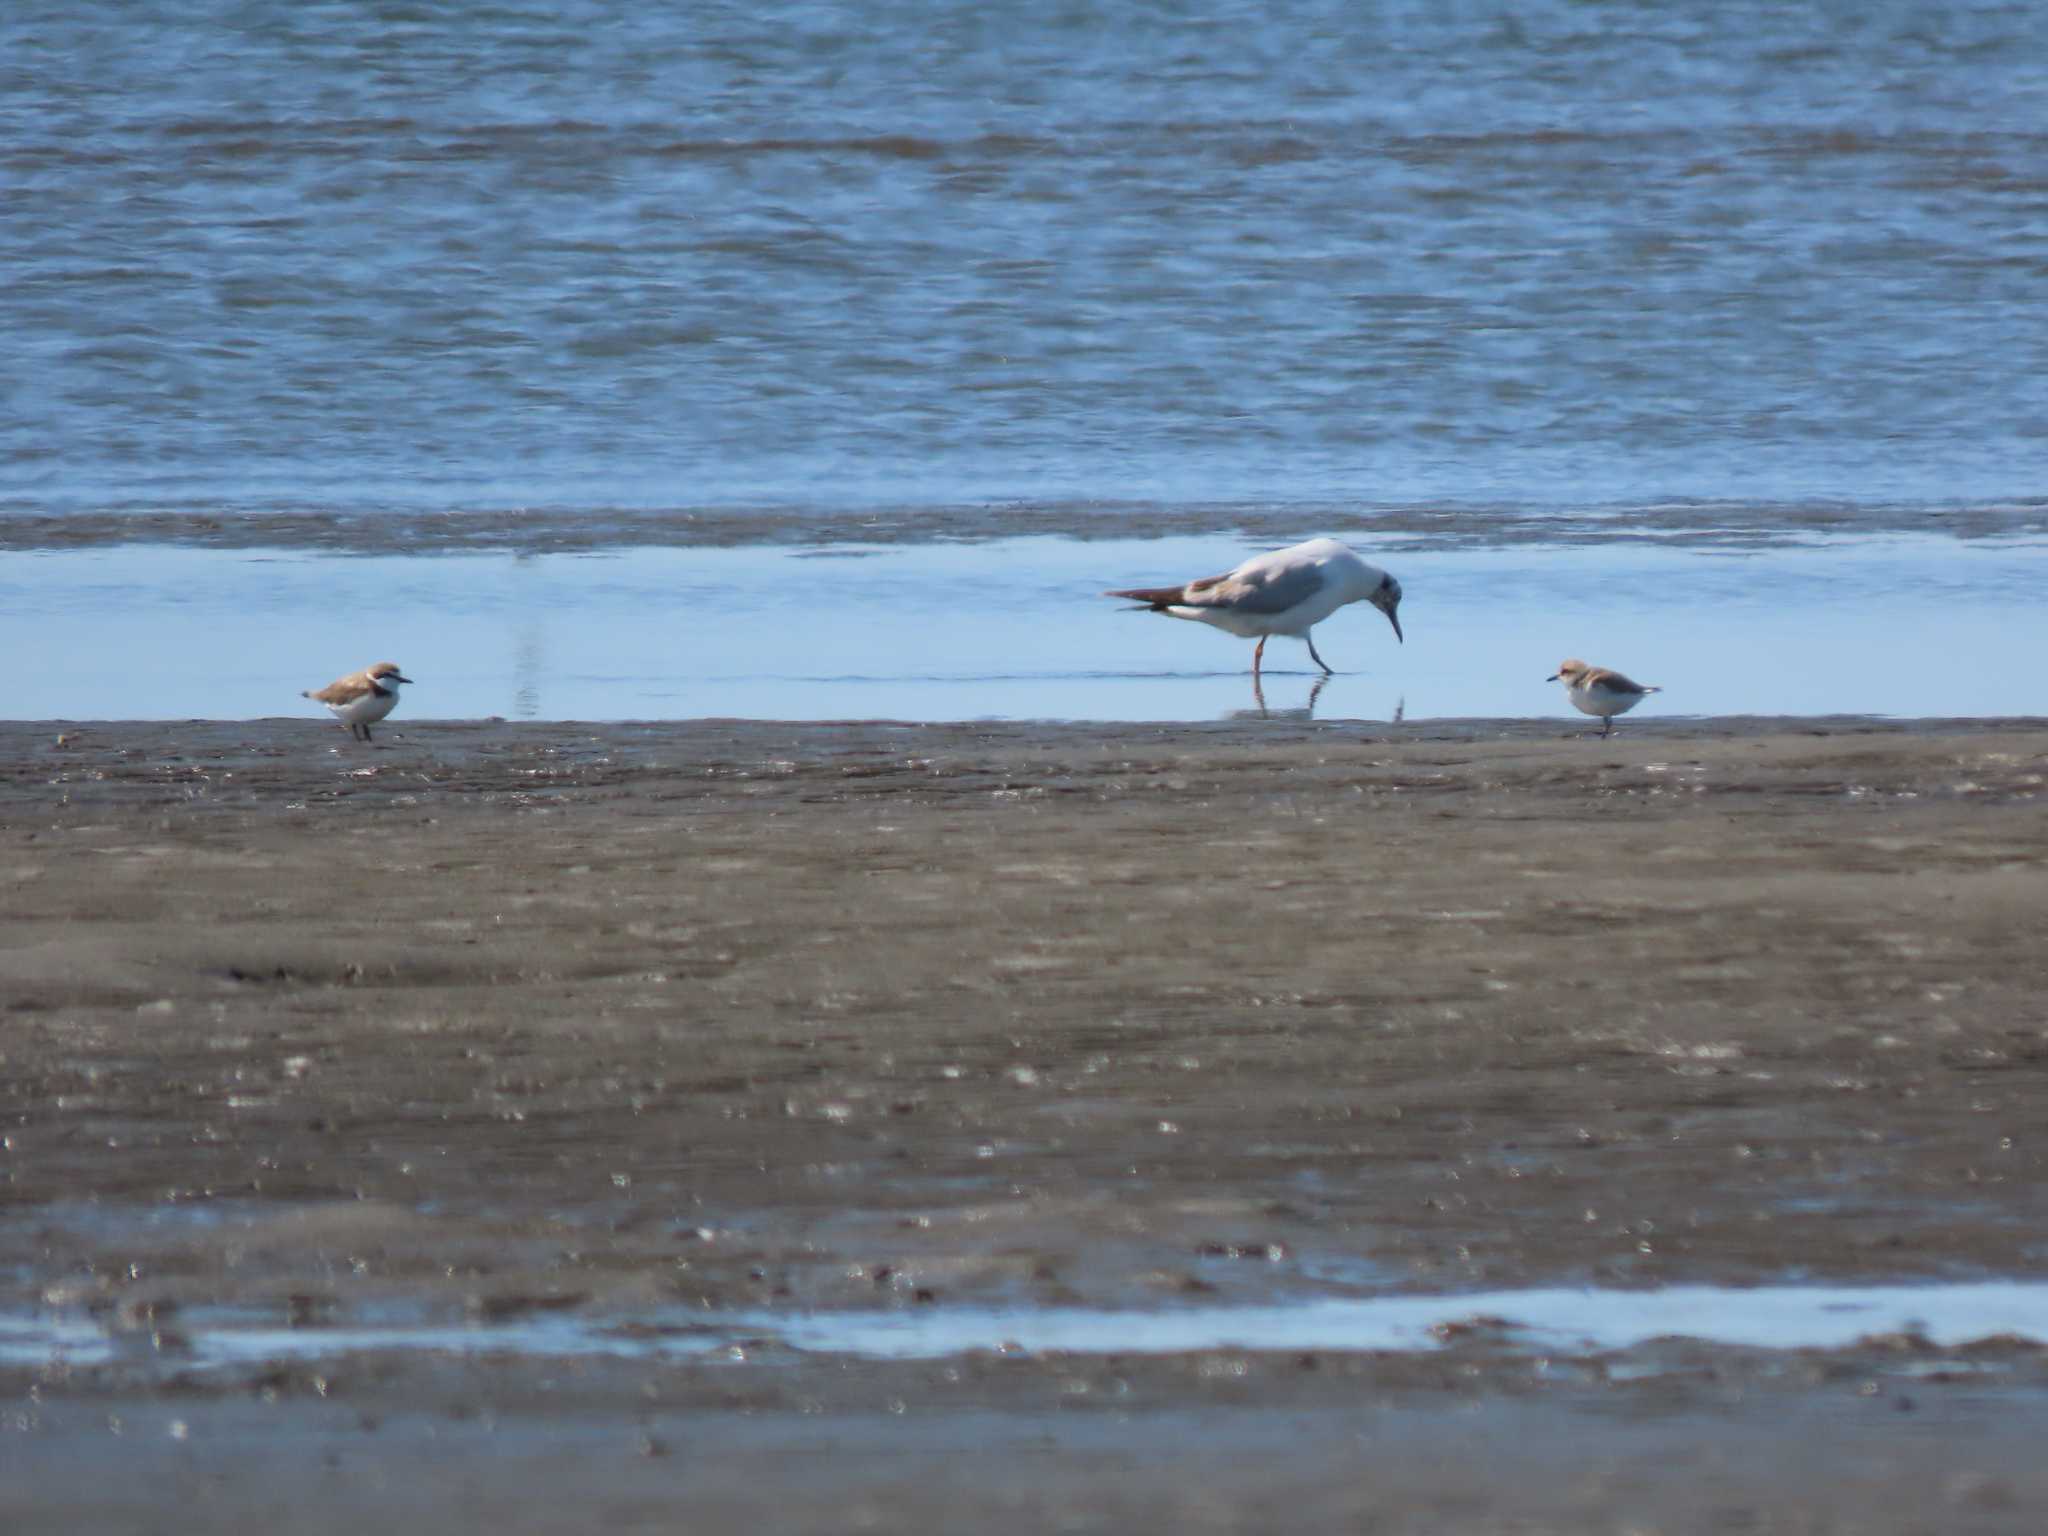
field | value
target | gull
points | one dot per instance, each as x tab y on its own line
1598	691
1287	592
362	698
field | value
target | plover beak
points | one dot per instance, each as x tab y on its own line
1553	677
400	677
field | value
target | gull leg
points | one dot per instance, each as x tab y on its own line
1258	655
1608	731
1327	668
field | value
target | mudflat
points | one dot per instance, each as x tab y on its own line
588	1030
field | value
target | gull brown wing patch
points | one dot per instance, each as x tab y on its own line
1253	590
1156	597
1194	594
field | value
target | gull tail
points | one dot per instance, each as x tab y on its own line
1158	599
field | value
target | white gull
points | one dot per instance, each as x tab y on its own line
1287	592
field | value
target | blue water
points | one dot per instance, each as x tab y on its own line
1490	291
1018	629
1550	1321
268	255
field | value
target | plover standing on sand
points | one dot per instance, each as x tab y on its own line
362	698
1287	592
1599	691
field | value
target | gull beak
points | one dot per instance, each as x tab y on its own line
1393	618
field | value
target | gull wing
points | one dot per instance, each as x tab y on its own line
1262	586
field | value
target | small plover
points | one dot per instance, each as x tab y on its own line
362	698
1598	691
1288	592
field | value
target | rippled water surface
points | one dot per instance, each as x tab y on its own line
271	256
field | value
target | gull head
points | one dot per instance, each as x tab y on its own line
1387	598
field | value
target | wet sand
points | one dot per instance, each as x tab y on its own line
494	1022
1680	523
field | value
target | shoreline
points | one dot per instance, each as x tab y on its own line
1675	521
606	1022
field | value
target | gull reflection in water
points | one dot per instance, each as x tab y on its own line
529	643
1261	712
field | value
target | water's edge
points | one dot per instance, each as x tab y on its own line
1549	1322
1680	521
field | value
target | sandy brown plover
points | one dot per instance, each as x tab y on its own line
1600	691
362	698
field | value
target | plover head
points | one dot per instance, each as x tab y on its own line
385	674
1570	671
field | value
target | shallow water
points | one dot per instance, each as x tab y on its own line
1571	1321
1561	1320
1018	629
